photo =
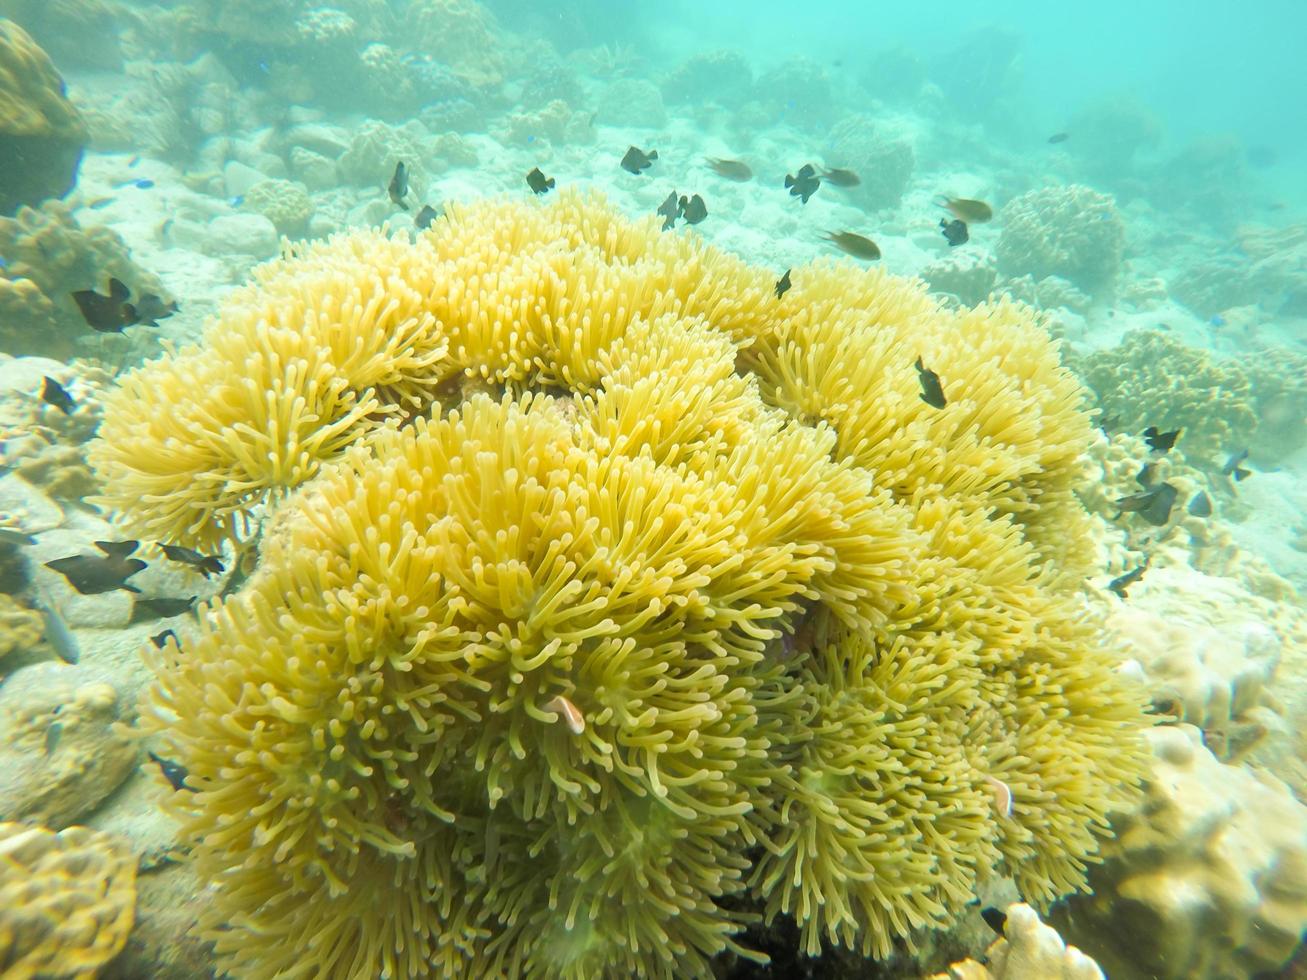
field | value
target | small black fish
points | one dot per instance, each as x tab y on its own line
955	231
804	184
1123	582
1059	138
100	202
538	182
425	216
204	564
92	575
53	393
174	772
670	209
693	210
160	607
1233	469
1201	505
1108	424
160	640
783	284
1145	475
996	919
932	392
636	161
1153	505
150	309
398	188
107	314
1160	442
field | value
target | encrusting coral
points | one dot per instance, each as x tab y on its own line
1206	880
618	603
41	133
48	257
1027	950
67	900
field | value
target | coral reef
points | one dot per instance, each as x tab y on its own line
797	92
75	33
1111	134
1257	400
377	147
555	122
894	74
1206	880
67	900
616	600
969	277
57	778
1027	950
1215	677
20	627
721	76
285	203
1153	378
41	133
1047	293
460	34
884	161
1267	267
49	256
631	102
1073	232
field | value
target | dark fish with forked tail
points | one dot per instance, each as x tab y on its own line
636	161
932	392
92	575
398	187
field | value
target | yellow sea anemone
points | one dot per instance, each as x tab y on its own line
607	602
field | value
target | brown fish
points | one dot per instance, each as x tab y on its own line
972	212
841	178
730	169
855	245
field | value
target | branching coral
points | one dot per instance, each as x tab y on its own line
1073	232
619	600
1152	378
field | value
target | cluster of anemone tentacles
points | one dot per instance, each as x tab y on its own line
607	603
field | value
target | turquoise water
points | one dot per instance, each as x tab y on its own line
1087	499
